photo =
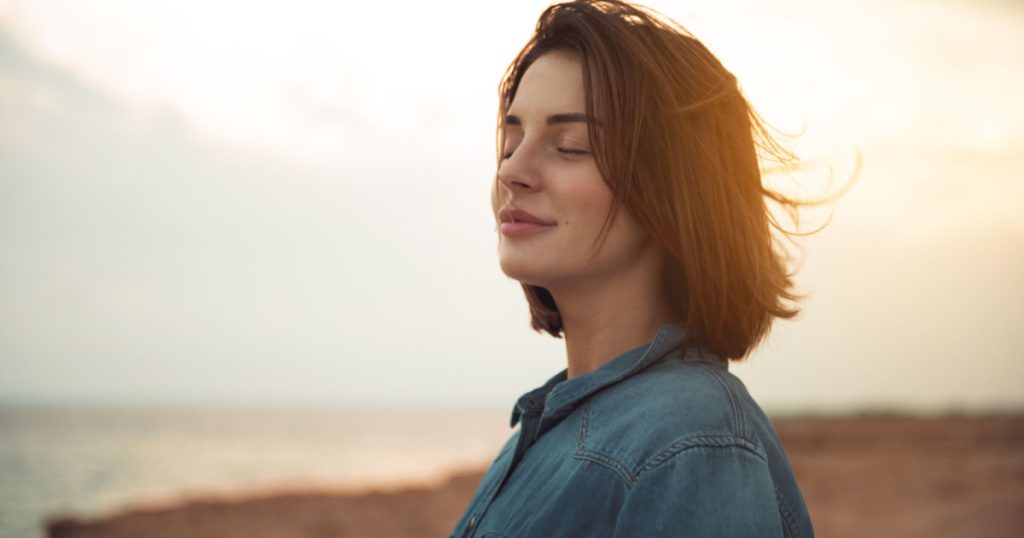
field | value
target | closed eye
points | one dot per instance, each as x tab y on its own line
564	151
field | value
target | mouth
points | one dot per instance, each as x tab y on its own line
509	214
514	229
516	222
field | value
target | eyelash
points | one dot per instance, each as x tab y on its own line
565	151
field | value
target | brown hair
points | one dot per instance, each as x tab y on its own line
678	146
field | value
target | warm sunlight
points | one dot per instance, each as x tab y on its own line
285	206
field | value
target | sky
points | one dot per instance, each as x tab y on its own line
287	204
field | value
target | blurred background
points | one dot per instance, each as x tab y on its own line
247	246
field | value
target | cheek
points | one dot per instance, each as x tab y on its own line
589	201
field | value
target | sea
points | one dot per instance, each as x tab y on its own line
89	462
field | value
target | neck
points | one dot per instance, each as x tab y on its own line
603	319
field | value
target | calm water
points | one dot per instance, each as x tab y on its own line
91	461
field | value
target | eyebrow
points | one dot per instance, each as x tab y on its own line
554	119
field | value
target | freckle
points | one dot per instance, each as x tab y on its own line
566	223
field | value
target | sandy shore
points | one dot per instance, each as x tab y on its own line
862	476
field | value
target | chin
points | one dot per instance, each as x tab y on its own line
524	272
532	274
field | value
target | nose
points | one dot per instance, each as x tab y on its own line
520	170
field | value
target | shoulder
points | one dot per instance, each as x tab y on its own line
671	407
676	397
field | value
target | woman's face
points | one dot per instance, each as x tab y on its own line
548	171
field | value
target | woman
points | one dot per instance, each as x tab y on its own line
630	206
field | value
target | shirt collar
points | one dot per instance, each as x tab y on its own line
559	393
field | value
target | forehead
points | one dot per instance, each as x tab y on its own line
552	84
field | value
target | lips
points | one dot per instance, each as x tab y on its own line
514	214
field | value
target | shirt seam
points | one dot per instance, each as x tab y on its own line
687	442
700	441
601	459
788	517
739	422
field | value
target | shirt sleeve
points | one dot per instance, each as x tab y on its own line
721	490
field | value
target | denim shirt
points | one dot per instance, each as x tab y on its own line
655	442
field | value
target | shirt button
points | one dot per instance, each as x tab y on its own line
472	522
